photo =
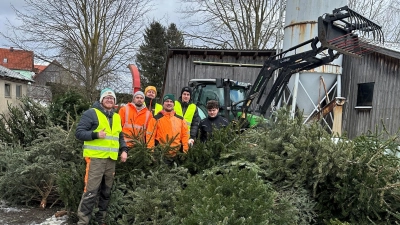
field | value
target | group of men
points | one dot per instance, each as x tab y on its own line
107	134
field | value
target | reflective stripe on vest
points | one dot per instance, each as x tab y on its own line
128	125
188	114
136	126
157	109
109	146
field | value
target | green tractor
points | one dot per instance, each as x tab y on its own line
229	93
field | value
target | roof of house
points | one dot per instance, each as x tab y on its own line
16	59
7	73
39	68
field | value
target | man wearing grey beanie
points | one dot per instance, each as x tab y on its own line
135	118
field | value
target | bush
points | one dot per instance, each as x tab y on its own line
65	108
18	125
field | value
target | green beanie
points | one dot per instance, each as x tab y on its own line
168	96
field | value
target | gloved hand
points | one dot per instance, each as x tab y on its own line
191	142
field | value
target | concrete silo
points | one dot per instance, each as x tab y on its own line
308	88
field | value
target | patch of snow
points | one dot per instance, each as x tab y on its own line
55	220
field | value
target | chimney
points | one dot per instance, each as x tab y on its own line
11	49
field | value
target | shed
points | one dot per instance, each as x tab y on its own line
371	85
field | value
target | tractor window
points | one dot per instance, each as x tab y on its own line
237	95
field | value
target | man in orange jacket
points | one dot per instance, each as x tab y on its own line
134	119
166	126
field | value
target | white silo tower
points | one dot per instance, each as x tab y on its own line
308	88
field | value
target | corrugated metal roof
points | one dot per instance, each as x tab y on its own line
4	72
219	51
389	48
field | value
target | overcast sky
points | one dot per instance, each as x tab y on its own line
164	9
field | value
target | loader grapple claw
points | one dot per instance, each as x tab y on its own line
348	32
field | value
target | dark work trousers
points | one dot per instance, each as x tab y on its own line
99	178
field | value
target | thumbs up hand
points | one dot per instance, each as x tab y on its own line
102	134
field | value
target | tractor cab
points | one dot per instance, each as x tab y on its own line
229	93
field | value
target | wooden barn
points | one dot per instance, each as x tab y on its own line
184	64
371	85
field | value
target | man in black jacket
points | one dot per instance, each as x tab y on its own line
213	120
188	110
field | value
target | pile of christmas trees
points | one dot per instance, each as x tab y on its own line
283	172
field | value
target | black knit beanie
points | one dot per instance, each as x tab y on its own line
187	89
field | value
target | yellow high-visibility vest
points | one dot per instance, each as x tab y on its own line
157	108
188	114
109	146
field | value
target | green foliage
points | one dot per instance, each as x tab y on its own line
230	196
336	222
33	171
215	151
18	125
152	56
174	37
65	109
283	172
353	181
367	188
150	198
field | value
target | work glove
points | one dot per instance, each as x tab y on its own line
191	142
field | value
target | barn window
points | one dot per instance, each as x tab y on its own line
365	94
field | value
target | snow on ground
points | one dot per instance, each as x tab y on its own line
14	212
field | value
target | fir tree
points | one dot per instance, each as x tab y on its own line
174	37
153	52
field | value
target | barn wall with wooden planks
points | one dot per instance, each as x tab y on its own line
381	67
181	66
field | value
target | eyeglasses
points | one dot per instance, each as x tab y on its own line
108	98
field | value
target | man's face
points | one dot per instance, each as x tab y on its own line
151	94
168	105
212	112
138	100
108	102
185	96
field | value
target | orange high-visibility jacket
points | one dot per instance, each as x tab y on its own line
134	122
166	125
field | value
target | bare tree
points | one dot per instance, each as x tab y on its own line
384	12
240	24
96	36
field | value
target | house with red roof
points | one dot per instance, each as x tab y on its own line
13	86
20	61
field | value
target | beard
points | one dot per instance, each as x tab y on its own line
168	110
138	104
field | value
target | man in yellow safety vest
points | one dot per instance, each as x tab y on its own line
150	93
188	110
100	129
